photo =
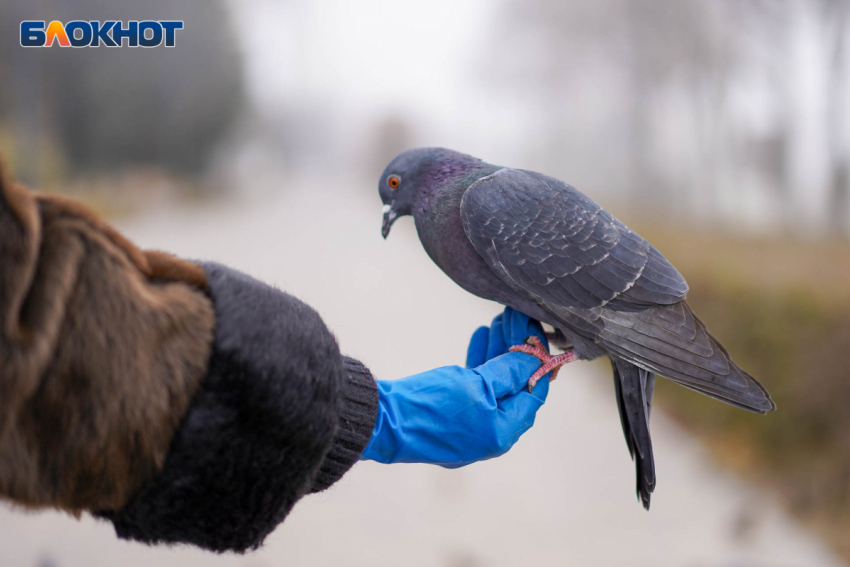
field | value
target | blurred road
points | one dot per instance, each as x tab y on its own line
563	496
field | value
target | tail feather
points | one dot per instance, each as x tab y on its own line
635	387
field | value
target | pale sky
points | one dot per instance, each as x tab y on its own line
361	55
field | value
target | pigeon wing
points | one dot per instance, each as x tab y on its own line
550	241
553	245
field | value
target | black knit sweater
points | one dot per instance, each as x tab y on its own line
280	414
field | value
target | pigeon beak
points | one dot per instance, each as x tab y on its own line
389	218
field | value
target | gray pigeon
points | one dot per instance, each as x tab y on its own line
542	247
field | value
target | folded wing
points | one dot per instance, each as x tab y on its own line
599	279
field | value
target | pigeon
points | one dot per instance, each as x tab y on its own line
540	246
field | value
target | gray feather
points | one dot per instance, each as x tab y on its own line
635	387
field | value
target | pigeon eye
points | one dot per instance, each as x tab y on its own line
394	181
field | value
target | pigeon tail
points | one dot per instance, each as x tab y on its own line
635	387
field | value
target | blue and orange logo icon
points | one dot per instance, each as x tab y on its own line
110	33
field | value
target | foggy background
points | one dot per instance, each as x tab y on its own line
730	113
720	130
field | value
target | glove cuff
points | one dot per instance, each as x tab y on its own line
357	415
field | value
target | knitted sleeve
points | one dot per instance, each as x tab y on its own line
280	414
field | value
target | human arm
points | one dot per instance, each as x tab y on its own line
454	416
184	402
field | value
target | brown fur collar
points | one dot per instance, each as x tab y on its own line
102	347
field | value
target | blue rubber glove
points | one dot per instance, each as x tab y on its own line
455	416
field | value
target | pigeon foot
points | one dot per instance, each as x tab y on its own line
550	363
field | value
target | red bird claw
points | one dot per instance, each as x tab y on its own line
549	363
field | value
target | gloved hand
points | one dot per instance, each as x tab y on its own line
454	416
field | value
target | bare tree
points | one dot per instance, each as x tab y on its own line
836	16
702	56
653	44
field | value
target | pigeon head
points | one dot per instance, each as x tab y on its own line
414	175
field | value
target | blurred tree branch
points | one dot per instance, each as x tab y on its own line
733	112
